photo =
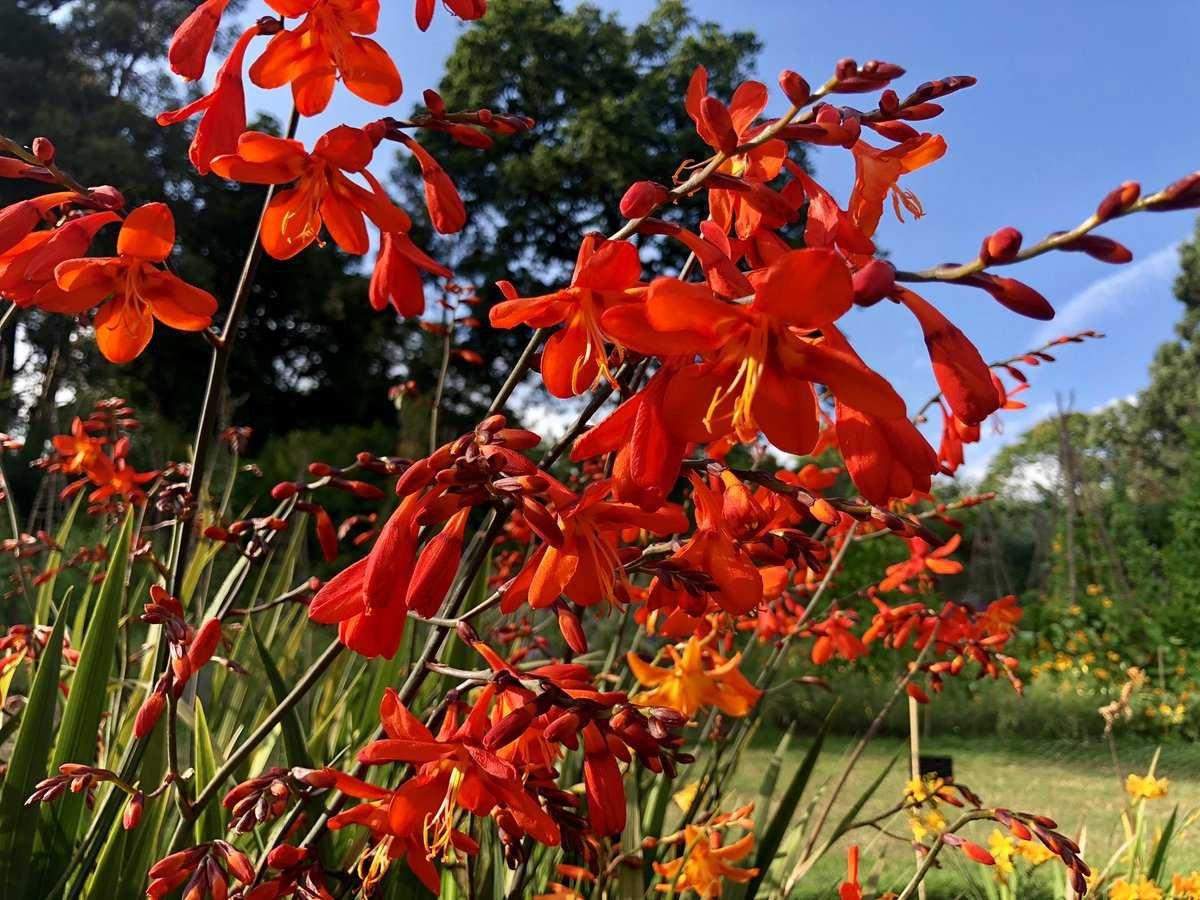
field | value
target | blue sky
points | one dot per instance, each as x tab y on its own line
1073	98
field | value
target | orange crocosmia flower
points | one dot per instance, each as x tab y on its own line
454	771
223	110
374	861
851	889
964	378
834	638
79	453
193	39
923	558
27	268
323	194
1001	616
582	562
446	210
464	9
131	288
705	864
725	519
757	166
327	45
607	273
122	482
697	678
368	600
759	367
877	173
396	278
648	454
886	457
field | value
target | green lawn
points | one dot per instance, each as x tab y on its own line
1073	783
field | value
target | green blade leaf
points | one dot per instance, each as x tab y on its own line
1159	860
89	686
208	820
293	735
27	766
772	837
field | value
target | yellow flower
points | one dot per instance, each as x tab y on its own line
704	863
698	677
1034	852
1186	887
1146	787
1001	846
1094	589
929	824
1143	890
919	790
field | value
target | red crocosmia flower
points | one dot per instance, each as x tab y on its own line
132	290
454	772
606	274
729	208
389	846
922	558
123	482
396	278
223	111
464	9
327	45
834	638
27	269
886	457
725	518
193	39
18	219
648	455
965	379
436	567
851	889
368	599
878	172
826	224
80	452
446	210
759	366
323	195
583	564
955	434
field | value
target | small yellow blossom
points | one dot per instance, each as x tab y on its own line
928	824
1142	890
1002	847
1186	887
1146	787
1034	852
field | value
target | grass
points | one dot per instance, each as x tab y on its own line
1072	782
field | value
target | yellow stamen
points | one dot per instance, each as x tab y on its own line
440	825
748	374
373	864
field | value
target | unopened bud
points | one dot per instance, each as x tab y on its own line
795	88
133	811
873	282
1118	200
1001	246
43	150
643	198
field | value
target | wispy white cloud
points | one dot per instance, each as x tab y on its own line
1109	293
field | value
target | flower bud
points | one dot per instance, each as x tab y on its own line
643	198
284	490
1101	248
148	715
133	811
571	628
795	88
1118	200
43	150
1001	246
873	282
